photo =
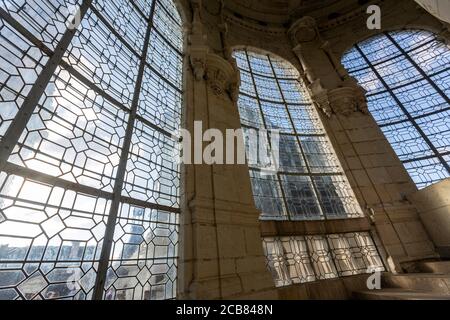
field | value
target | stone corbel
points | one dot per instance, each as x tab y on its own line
347	100
361	100
359	94
342	101
222	77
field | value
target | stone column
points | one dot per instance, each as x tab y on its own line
221	253
444	35
377	176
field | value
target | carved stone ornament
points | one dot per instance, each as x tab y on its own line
343	100
347	100
298	50
221	76
198	49
303	30
197	57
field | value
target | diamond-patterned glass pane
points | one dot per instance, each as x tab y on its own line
118	85
143	262
20	64
406	76
50	239
46	20
75	134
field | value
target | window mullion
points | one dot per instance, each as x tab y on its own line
311	262
139	10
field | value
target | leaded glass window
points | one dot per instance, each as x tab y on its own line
407	75
89	190
301	259
310	184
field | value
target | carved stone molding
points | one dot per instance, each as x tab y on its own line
342	100
346	100
221	75
303	30
197	57
248	25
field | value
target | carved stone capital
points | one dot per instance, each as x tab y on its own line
347	100
342	101
197	58
222	77
303	30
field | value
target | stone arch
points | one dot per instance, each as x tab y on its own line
281	55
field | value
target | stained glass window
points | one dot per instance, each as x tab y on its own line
89	191
407	75
309	184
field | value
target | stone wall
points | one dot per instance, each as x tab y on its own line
220	247
433	204
221	254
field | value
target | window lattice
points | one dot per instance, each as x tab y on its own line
407	76
89	192
310	184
